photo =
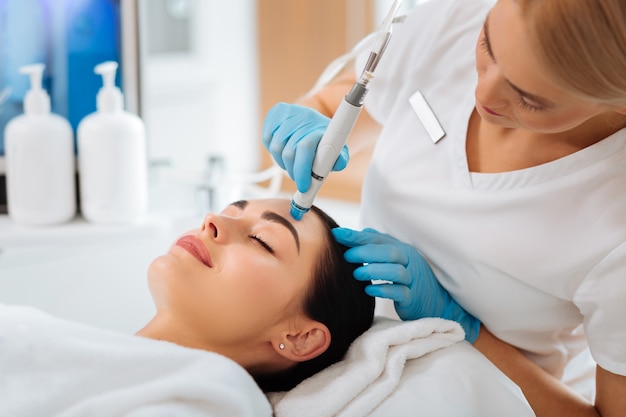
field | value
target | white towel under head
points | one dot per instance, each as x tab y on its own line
370	371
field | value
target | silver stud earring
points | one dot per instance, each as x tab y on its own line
281	346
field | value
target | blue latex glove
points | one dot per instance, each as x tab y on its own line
409	280
291	134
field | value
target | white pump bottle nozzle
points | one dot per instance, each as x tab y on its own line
36	101
110	98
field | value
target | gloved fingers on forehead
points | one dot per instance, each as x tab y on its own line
383	272
349	237
397	293
376	253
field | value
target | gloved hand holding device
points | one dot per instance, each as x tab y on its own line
291	134
409	280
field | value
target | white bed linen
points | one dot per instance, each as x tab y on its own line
55	368
457	381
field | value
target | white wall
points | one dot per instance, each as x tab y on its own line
204	100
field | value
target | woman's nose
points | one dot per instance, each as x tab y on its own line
214	227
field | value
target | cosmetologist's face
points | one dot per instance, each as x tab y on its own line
514	89
243	271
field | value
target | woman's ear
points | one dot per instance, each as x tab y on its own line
309	341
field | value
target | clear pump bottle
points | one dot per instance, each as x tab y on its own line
112	158
40	163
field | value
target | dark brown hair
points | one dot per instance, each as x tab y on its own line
335	299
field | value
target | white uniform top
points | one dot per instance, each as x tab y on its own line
538	254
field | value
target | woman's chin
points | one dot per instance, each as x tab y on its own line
159	270
164	265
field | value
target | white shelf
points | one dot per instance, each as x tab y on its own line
77	231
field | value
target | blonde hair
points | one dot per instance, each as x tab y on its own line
584	43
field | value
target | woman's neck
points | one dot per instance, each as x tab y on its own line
257	357
492	148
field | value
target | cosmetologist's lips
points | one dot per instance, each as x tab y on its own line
488	110
194	246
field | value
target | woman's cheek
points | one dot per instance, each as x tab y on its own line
541	123
263	282
268	287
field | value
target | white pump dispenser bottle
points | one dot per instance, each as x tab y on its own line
112	158
40	165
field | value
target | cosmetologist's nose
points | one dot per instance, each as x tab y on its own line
491	89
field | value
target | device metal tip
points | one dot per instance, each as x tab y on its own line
296	211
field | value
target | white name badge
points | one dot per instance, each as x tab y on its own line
427	117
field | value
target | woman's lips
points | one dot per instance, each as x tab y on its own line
194	246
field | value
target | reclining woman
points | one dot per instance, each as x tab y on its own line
251	284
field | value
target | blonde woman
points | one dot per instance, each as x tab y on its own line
510	215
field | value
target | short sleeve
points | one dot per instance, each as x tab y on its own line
601	299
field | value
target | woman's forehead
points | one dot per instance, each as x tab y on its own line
310	223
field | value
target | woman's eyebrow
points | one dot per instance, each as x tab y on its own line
540	100
277	218
240	204
273	217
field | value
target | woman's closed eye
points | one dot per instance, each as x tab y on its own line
262	243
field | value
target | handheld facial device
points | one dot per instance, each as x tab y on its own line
343	121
